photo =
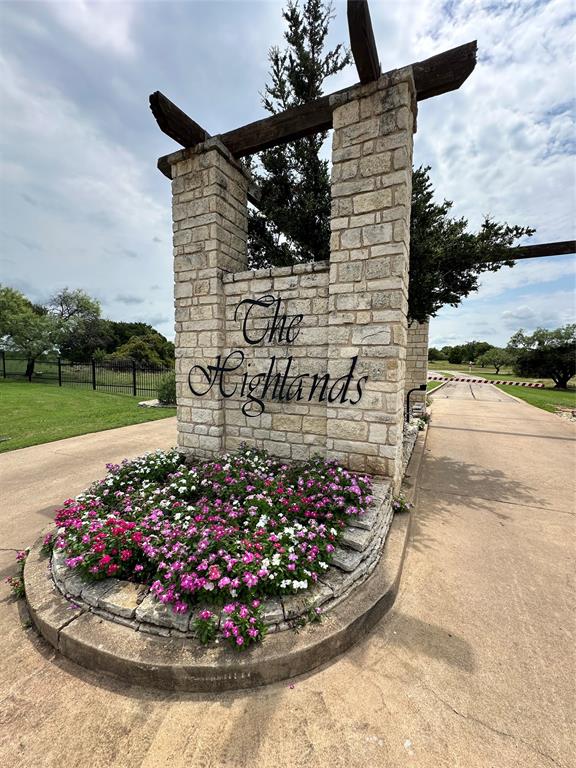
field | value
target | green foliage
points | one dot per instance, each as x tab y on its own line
546	353
466	353
496	358
445	259
167	389
144	350
435	354
73	305
69	324
293	224
26	327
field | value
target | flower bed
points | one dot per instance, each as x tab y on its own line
226	533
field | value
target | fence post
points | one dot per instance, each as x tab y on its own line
93	373
59	371
134	378
3	364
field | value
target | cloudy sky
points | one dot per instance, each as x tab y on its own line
83	205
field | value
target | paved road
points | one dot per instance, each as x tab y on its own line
473	668
467	391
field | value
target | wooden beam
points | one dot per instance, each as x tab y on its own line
362	41
434	76
444	72
292	124
175	123
560	248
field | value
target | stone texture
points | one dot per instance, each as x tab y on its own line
153	612
277	392
122	599
417	363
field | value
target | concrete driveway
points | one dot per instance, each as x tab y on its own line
473	668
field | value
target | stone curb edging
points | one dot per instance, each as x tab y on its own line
133	605
182	664
185	665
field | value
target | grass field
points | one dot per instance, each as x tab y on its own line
31	414
549	399
506	374
432	385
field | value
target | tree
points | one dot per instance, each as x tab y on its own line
434	354
546	354
446	260
293	223
26	327
73	305
145	350
496	357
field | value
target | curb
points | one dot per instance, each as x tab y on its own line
184	665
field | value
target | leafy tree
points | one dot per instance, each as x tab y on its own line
26	327
546	354
293	223
469	352
435	354
145	350
446	260
73	305
496	357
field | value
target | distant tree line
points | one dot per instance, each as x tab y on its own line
70	325
549	354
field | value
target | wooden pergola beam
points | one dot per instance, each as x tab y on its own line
559	248
362	41
439	74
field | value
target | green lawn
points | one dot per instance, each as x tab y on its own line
31	414
549	398
433	384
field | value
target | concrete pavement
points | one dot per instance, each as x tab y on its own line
473	667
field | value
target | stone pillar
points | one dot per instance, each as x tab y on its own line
209	210
417	361
368	292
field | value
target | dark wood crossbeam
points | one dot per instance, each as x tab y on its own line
444	72
439	74
560	248
362	41
175	123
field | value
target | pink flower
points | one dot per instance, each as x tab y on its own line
205	615
239	640
250	579
214	573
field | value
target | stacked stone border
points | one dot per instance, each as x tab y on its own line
134	606
181	663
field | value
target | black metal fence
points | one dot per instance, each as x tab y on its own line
119	376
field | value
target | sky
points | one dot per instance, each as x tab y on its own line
81	201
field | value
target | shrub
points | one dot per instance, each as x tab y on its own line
167	389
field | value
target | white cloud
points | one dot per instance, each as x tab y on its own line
103	24
94	222
535	272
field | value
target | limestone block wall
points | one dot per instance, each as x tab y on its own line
312	358
371	191
417	360
284	313
209	211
